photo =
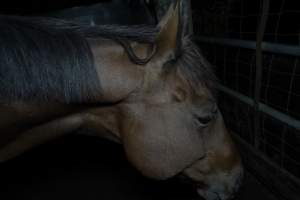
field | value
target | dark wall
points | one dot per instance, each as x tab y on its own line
39	6
123	12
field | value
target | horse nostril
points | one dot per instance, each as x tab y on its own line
209	195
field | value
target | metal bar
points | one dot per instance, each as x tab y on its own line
277	179
292	122
292	50
259	70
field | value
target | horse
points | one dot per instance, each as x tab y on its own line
147	88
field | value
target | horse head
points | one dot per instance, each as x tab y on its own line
170	123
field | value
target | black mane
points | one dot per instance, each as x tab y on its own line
47	59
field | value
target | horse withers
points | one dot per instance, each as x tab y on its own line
149	89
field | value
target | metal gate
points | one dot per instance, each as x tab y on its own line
254	46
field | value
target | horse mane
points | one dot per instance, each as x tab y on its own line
139	33
48	59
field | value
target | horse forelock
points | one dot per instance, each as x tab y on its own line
195	68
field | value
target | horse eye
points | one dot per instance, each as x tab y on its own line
204	120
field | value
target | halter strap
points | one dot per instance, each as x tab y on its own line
132	55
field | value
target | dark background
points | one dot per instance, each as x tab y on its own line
81	167
19	7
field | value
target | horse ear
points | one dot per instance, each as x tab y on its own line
169	37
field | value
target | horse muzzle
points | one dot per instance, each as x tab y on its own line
224	188
219	185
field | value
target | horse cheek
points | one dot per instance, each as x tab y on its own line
159	144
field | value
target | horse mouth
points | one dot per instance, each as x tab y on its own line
207	191
210	195
200	187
